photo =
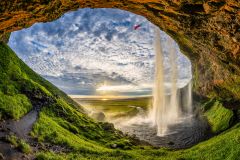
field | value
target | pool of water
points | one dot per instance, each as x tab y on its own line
186	133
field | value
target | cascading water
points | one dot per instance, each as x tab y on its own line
157	114
187	99
166	111
174	103
170	117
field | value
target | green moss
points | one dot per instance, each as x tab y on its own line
56	134
49	156
83	143
20	87
223	146
13	140
24	147
61	122
14	106
233	87
117	108
218	117
112	155
84	146
67	123
19	144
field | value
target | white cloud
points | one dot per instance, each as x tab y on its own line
91	42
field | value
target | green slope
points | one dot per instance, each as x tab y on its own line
217	115
62	122
26	89
225	146
21	87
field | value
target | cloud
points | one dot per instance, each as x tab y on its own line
88	43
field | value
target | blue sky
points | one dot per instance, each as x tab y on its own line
88	48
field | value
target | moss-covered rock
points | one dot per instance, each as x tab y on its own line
218	116
14	106
19	144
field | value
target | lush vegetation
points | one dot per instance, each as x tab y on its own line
223	146
62	123
21	88
14	106
218	117
19	144
116	108
66	120
68	132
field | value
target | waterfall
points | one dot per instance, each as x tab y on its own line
166	108
158	112
174	104
187	97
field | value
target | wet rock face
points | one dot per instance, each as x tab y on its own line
208	32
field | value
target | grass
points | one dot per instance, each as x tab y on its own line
21	88
24	147
65	120
19	144
81	135
224	146
61	122
116	108
14	106
218	117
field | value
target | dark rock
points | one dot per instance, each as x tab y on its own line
113	146
1	157
170	143
100	116
108	126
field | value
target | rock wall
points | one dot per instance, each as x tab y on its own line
5	37
207	31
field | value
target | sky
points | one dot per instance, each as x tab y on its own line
95	51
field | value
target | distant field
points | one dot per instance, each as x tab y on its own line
115	107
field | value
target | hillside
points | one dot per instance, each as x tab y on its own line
63	131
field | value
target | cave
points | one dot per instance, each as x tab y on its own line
105	59
207	32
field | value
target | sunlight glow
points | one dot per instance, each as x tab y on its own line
116	88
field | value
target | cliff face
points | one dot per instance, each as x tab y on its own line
208	32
